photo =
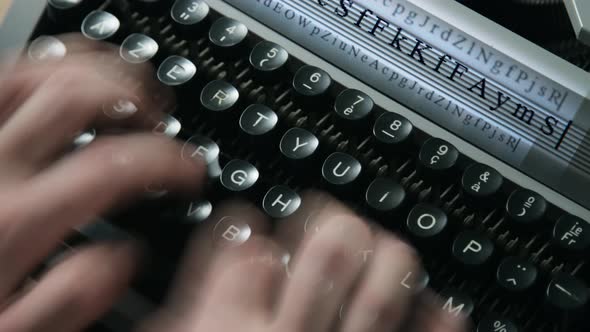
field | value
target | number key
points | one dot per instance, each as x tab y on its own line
227	37
353	105
311	84
437	158
269	60
188	15
392	130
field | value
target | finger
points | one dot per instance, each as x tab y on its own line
49	120
231	225
74	293
82	186
381	301
19	80
69	44
308	219
429	317
238	297
322	274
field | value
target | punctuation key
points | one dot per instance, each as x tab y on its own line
526	209
572	235
567	293
516	275
493	322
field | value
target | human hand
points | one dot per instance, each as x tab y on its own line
45	193
322	269
342	275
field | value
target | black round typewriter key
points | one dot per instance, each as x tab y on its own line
269	61
437	158
189	15
227	36
567	293
298	144
195	212
101	25
206	149
176	71
311	85
472	249
239	175
299	151
169	126
525	207
341	169
385	195
341	174
572	234
352	106
281	202
516	274
481	185
427	224
415	280
46	48
258	120
456	303
493	322
219	96
391	131
258	127
138	48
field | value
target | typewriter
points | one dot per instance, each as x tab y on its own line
468	118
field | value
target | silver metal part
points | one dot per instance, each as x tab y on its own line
579	11
498	36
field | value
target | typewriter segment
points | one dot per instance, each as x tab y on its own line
270	126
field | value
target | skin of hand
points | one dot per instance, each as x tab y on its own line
323	269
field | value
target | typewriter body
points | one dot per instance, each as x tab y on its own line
476	129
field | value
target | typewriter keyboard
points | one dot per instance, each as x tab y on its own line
494	251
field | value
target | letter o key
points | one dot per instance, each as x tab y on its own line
426	218
426	221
